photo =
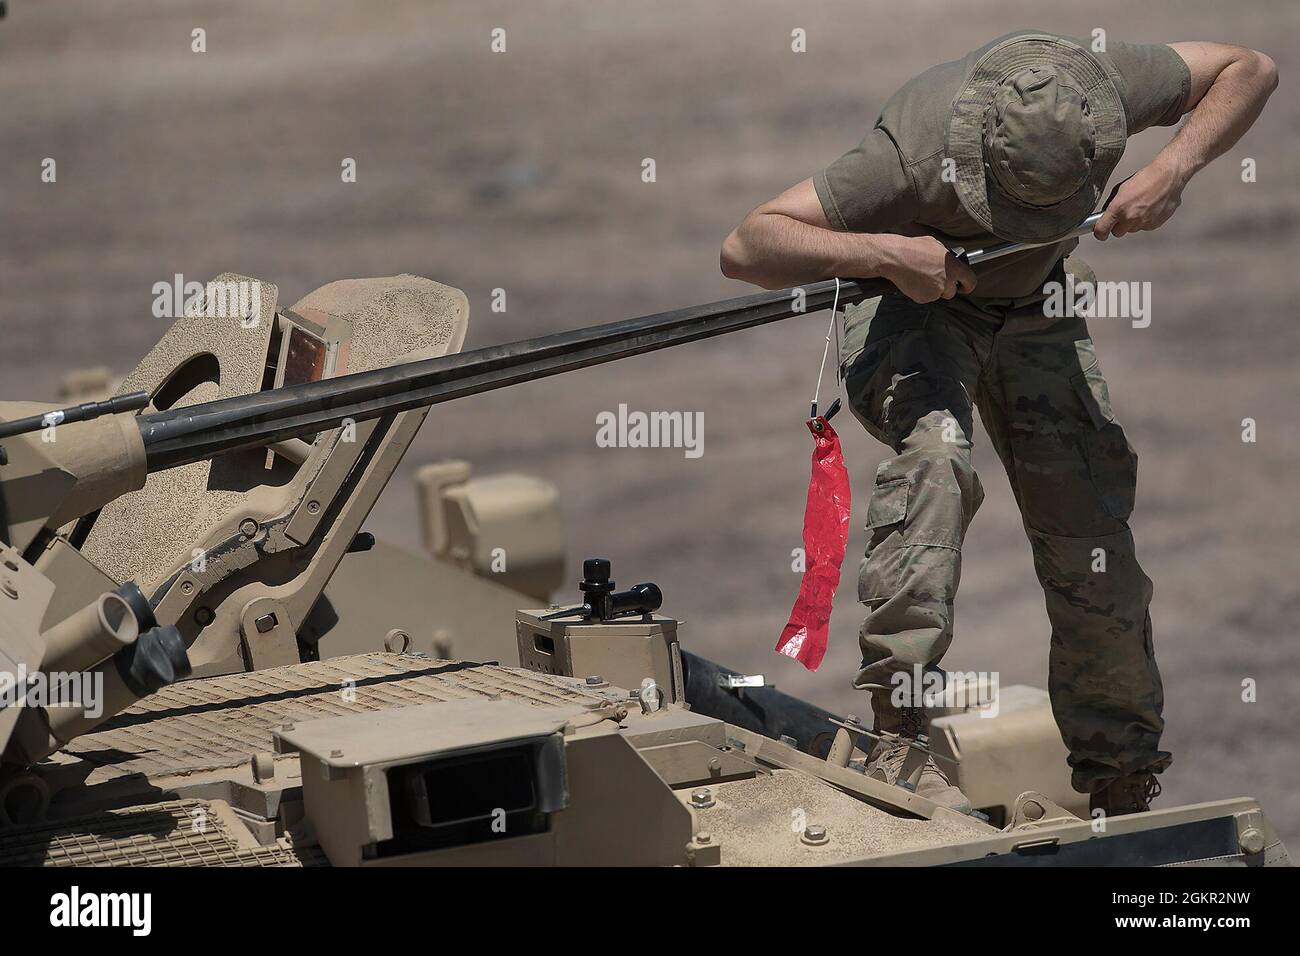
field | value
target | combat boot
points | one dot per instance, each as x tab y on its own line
1131	793
898	764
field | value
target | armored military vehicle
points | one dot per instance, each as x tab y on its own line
206	661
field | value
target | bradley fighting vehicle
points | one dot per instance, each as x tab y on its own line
205	660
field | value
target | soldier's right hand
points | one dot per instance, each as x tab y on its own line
924	270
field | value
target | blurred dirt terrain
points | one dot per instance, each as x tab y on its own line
522	170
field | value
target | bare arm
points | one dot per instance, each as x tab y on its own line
1230	85
788	240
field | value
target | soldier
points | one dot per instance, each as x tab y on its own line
1013	142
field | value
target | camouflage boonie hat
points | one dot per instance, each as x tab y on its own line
1035	133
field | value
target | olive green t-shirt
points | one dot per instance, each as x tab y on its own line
892	181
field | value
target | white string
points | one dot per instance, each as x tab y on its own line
833	329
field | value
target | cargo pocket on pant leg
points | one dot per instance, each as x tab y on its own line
1112	462
882	568
888	503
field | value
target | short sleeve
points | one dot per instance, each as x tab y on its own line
1155	83
867	189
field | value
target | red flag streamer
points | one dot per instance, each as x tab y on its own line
825	538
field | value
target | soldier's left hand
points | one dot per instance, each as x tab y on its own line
1144	202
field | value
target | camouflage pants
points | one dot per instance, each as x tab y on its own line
1044	404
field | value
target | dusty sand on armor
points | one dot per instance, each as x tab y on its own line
523	171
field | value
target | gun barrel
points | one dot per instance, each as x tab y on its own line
85	412
181	436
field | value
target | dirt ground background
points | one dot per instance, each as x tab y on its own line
522	170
